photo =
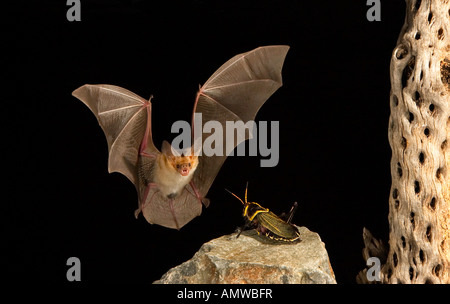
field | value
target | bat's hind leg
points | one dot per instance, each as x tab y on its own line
143	202
201	199
172	210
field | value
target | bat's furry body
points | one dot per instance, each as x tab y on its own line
168	179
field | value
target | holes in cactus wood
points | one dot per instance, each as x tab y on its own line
404	142
444	145
440	34
431	107
411	219
411	273
417	5
394	100
426	131
407	71
396	204
401	52
437	270
428	233
445	71
417	99
417	36
421	256
395	193
403	242
389	273
410	117
399	170
416	187
395	259
433	204
439	173
430	16
421	158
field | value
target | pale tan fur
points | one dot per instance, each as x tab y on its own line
167	177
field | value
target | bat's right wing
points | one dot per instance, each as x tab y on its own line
125	120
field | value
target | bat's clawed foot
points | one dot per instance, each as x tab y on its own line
137	211
205	201
201	199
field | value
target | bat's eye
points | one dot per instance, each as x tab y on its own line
189	164
178	166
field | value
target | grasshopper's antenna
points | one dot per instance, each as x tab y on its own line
236	196
246	188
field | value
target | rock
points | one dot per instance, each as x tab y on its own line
255	259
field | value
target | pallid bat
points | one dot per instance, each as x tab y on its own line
171	186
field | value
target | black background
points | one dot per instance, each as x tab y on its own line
333	111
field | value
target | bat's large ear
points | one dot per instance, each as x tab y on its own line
168	150
197	146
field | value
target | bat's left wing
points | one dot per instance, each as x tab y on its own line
235	92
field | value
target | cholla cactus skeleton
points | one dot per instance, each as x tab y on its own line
419	135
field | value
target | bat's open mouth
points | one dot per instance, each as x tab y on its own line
184	172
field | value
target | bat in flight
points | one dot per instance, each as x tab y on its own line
172	186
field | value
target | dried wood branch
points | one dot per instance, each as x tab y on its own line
419	136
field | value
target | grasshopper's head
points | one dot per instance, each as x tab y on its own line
250	208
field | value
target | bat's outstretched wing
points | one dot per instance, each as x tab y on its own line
125	120
235	92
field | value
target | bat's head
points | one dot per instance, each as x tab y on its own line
183	164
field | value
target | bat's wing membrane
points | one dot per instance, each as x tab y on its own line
235	92
125	120
171	213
